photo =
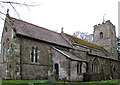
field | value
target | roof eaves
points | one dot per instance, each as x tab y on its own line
103	57
42	40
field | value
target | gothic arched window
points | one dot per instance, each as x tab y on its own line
107	66
95	65
101	35
79	68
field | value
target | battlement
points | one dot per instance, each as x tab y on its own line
108	21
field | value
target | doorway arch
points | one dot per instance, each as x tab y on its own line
57	69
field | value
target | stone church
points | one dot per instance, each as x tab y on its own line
29	51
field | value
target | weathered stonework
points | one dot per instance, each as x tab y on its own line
108	41
32	52
67	67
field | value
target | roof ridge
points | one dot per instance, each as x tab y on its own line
35	25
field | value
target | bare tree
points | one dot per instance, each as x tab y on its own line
4	4
84	36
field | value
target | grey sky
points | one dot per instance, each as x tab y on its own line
72	15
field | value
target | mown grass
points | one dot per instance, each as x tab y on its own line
106	81
43	82
22	81
103	82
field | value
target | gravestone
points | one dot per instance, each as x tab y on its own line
31	83
82	83
51	78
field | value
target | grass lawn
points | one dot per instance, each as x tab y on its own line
106	82
12	82
22	81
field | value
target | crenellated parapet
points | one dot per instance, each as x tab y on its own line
107	22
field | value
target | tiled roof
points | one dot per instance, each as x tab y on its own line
36	32
86	43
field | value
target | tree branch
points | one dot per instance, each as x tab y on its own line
17	3
1	18
2	13
15	10
12	4
27	6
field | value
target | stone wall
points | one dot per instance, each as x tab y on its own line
63	64
104	72
7	42
4	70
67	67
34	70
74	76
79	53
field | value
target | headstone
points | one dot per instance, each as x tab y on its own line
31	83
51	79
82	83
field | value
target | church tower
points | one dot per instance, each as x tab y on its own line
105	36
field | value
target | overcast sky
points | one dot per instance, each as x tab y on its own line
72	15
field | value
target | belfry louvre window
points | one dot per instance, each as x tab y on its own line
34	54
101	35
